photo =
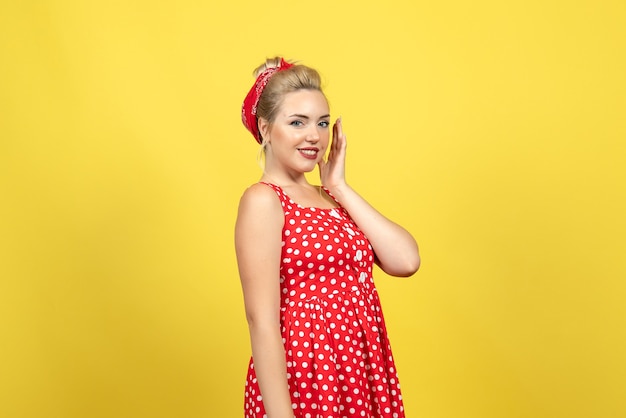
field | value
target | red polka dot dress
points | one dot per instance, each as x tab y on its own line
339	361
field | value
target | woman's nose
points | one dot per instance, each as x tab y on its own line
313	135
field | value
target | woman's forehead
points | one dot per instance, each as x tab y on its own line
312	103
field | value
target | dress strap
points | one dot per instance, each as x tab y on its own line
331	195
279	191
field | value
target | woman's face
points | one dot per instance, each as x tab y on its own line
298	138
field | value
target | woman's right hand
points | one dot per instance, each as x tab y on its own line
333	170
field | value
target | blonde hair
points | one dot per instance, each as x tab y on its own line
298	77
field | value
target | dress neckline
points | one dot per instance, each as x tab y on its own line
306	207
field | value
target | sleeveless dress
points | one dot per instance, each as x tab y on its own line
339	361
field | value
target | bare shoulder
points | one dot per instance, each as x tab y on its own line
260	200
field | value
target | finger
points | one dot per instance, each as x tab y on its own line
321	166
337	134
340	134
337	142
331	155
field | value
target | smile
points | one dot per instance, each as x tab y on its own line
310	153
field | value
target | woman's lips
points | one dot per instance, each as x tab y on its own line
310	153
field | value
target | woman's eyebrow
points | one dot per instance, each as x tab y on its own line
298	115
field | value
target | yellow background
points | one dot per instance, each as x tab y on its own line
494	131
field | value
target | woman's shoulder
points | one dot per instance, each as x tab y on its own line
260	197
260	214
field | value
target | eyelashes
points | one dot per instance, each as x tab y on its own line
299	123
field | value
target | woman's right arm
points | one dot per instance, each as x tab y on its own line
258	238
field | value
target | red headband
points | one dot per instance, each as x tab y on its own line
248	110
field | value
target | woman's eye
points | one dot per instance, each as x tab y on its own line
324	124
296	123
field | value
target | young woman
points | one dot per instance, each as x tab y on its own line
305	255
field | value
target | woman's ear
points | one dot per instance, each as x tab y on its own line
264	128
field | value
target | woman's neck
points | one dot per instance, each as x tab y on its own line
285	179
